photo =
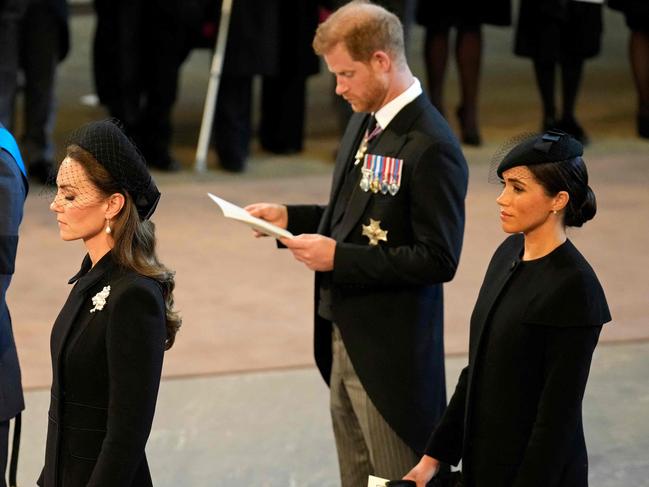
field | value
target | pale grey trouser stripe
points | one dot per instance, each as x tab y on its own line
366	444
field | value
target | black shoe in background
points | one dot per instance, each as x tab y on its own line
643	121
570	126
163	162
233	167
281	150
469	133
548	123
643	126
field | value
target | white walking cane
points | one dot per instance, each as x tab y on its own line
200	164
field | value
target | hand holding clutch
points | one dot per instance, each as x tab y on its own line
424	471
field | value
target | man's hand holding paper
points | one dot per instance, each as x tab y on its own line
315	251
271	212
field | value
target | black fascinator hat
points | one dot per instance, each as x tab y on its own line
552	146
116	152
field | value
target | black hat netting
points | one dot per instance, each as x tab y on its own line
503	151
113	149
532	149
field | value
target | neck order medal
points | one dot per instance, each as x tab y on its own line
367	137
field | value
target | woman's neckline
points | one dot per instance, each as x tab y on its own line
541	258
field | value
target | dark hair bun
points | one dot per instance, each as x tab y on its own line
570	176
579	212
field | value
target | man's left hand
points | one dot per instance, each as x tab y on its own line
316	251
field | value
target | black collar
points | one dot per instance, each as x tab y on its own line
89	275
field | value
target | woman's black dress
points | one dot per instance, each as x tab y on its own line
515	418
558	30
106	366
438	14
636	13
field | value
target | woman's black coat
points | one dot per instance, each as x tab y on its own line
515	417
106	369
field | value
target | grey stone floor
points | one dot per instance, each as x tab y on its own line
272	429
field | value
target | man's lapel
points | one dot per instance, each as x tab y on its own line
389	143
348	145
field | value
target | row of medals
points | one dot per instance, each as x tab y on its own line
371	181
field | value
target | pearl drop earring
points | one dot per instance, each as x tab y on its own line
108	230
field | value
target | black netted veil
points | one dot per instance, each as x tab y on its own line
107	142
503	151
531	149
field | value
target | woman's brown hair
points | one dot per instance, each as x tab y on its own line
134	238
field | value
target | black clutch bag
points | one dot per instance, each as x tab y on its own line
447	479
442	479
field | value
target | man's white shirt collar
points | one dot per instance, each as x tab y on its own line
386	113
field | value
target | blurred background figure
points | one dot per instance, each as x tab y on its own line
271	39
139	49
636	13
34	38
252	49
466	17
563	33
283	97
13	191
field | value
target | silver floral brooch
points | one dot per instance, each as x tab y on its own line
99	299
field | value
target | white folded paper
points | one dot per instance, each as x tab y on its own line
239	214
373	481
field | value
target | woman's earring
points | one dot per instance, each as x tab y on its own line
554	212
109	231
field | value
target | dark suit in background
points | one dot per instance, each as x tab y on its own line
252	49
515	418
106	369
139	48
283	99
386	299
559	34
34	38
13	190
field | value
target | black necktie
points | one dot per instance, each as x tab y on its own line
371	124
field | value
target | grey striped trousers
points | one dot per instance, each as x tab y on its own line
366	444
